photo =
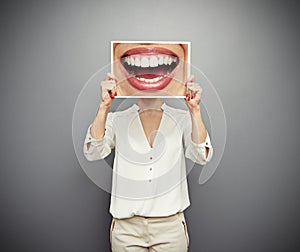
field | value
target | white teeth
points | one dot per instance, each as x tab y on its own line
137	61
149	61
145	62
166	60
150	80
157	79
129	61
153	61
132	61
126	60
160	59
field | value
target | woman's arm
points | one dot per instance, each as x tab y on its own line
108	94
100	135
199	132
193	97
97	130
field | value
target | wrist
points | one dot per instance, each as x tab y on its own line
195	110
104	107
103	110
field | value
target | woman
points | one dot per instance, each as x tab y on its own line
149	187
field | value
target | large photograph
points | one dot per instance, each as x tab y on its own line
150	68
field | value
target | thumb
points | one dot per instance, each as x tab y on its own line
110	76
191	78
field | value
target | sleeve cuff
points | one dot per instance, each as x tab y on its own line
92	140
206	143
201	150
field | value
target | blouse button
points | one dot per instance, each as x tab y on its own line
150	168
149	180
150	158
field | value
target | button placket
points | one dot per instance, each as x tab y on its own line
150	174
151	168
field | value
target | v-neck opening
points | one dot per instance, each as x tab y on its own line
157	131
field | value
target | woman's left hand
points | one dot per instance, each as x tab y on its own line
193	94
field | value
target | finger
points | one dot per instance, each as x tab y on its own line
197	97
187	97
111	94
110	76
191	78
193	93
194	87
190	85
196	93
108	85
106	97
189	88
114	90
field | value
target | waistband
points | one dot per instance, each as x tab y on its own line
139	217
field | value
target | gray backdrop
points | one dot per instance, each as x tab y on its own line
248	49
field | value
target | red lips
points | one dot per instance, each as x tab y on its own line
149	68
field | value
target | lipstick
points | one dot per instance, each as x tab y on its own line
149	68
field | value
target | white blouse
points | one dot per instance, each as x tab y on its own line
148	181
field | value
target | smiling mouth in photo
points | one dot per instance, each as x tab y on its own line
149	68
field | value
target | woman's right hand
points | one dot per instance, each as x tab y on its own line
108	89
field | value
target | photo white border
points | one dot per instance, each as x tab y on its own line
188	43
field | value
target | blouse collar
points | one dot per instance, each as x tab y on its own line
163	107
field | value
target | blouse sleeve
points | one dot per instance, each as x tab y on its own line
196	152
99	149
